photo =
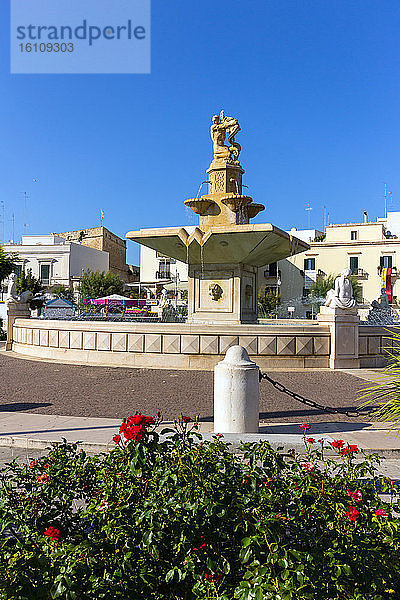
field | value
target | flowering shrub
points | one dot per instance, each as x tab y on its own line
178	517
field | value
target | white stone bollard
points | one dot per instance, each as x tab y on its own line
236	393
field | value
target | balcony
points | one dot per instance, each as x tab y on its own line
360	273
394	270
163	274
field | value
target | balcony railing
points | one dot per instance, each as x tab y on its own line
359	272
394	270
163	274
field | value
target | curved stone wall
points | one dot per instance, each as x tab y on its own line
294	344
170	345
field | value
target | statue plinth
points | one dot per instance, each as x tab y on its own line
15	310
343	324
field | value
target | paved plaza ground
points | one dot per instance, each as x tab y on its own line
72	390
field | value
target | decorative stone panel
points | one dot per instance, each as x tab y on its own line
63	339
362	345
22	335
103	341
321	346
89	340
267	345
152	342
29	336
135	342
226	341
36	338
190	344
171	344
304	346
44	337
53	338
249	342
119	342
374	345
285	345
208	344
75	340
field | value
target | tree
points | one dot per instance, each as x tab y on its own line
322	285
27	281
96	284
268	301
6	264
62	291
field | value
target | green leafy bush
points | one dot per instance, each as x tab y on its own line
179	517
97	284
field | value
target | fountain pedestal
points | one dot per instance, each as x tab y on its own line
224	293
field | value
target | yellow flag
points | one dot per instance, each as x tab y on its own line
101	215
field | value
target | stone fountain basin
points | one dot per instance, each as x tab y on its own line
255	244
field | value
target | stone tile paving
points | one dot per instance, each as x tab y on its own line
73	390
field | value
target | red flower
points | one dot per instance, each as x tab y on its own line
139	419
185	419
338	444
349	450
43	478
305	426
381	512
311	441
308	466
117	439
33	464
135	433
352	513
356	496
52	533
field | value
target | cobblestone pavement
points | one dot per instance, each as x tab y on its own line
73	390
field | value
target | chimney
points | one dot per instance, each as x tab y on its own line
365	217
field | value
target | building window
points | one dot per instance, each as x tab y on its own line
309	264
272	269
386	262
353	235
18	269
354	264
45	274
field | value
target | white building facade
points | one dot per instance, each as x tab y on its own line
54	260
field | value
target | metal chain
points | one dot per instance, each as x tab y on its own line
328	409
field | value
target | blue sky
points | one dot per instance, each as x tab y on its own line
315	86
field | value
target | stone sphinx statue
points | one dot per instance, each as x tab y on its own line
381	313
341	296
12	295
221	126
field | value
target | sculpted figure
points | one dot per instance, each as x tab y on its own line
232	127
342	295
12	295
383	301
222	125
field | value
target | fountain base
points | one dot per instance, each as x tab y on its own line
222	293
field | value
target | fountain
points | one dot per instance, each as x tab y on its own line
225	250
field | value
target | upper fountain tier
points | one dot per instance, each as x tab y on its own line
224	234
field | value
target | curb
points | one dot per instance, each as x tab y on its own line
234	441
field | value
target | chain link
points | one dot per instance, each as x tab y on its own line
328	409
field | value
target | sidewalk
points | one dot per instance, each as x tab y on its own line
36	431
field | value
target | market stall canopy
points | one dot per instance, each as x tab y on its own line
113	299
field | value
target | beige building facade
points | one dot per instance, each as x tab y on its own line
370	249
103	239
